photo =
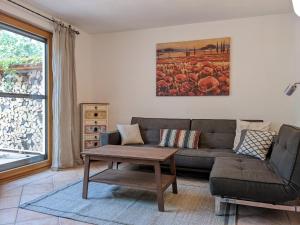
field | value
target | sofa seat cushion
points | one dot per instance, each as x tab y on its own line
248	179
202	158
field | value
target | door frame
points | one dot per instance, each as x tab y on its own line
35	167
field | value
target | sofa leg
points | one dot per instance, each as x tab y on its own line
293	206
219	206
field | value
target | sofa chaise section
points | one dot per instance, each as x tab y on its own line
275	181
248	179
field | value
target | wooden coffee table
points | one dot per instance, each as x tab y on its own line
156	181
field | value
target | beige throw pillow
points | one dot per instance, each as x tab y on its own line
245	125
130	134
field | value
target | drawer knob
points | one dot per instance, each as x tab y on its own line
95	129
95	144
95	114
95	122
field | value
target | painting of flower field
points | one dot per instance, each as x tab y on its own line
193	68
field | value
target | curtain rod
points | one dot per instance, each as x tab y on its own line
45	17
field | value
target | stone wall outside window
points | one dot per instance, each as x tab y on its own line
22	119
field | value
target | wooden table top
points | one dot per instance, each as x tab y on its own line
132	152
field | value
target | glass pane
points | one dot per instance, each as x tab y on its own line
22	64
22	126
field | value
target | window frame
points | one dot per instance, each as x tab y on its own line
35	167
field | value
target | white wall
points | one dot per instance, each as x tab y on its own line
296	96
82	51
262	64
119	68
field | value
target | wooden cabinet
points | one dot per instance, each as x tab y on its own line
94	120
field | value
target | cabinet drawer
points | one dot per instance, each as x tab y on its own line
95	114
95	107
90	129
91	144
92	137
95	122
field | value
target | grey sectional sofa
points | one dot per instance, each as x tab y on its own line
216	139
232	176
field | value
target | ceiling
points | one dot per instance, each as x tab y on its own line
100	16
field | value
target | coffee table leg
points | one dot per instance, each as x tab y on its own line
86	176
160	194
173	172
110	164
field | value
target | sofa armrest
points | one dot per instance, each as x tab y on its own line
110	138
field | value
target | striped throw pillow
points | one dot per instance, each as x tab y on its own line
179	138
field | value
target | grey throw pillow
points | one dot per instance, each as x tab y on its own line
255	143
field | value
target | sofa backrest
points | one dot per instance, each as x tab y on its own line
150	127
285	157
215	133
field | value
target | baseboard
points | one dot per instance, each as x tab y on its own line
24	171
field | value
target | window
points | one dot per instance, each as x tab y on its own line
25	78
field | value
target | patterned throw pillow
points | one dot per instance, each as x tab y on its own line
255	143
179	138
246	125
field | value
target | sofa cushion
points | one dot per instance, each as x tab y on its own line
150	127
285	157
202	158
215	133
248	179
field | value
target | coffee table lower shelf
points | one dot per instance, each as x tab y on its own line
133	179
156	181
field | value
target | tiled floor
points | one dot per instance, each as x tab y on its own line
14	193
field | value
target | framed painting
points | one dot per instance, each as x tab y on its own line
193	68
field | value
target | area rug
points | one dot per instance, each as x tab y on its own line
112	205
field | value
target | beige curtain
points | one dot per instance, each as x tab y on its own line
66	134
